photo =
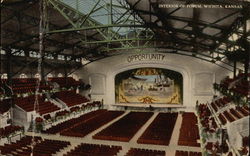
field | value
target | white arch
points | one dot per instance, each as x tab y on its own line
110	89
38	76
23	75
49	76
60	75
4	76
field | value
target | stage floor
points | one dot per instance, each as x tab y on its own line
148	105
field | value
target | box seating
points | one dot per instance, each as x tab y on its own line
236	113
242	88
65	82
222	119
242	110
231	114
214	107
238	85
189	132
160	130
227	81
228	116
24	85
70	98
27	104
94	150
144	152
125	128
220	103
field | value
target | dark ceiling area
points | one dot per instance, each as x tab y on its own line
107	29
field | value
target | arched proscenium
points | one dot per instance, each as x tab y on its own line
148	64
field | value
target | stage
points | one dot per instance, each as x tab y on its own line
142	105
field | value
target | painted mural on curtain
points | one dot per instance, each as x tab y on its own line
149	86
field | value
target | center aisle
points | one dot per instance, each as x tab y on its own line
170	150
144	127
133	141
176	131
89	136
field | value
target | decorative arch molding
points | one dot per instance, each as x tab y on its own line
110	90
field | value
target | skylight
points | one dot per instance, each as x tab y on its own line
101	11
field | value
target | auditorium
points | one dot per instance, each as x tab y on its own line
124	77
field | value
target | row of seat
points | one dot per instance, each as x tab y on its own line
237	85
6	131
160	130
243	110
42	106
5	105
13	147
220	103
232	114
71	98
94	150
30	89
88	126
187	153
222	119
241	88
226	114
72	122
144	152
229	116
245	141
28	85
41	147
25	85
125	128
189	132
65	82
228	81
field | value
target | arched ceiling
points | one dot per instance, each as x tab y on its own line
94	29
